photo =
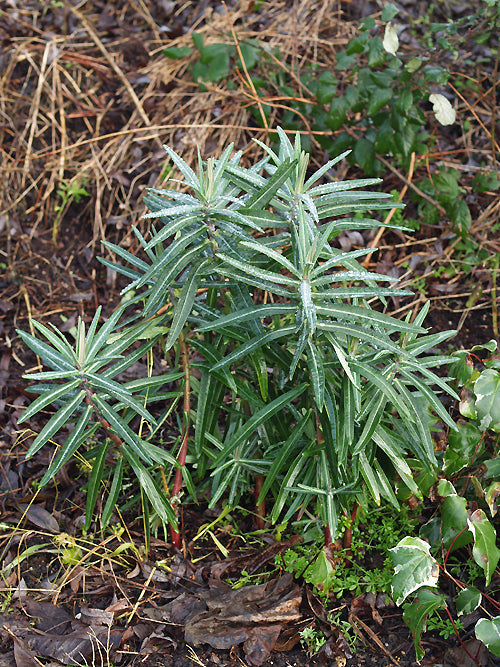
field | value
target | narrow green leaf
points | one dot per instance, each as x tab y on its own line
253	344
185	302
257	272
47	354
278	466
317	373
262	197
94	483
99	339
338	260
57	340
308	306
249	314
49	397
184	168
254	281
119	393
157	499
123	430
258	419
56	422
114	492
77	436
369	476
278	257
366	315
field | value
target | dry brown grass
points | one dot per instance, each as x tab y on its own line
81	106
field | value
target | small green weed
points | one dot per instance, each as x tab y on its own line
68	192
312	640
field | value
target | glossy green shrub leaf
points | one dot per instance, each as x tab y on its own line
454	527
416	614
467	601
491	494
414	567
487	391
485	552
463	444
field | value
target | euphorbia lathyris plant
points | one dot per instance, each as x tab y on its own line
301	385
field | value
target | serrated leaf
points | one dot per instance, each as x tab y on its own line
488	631
485	552
414	567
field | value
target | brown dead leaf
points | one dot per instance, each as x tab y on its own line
252	615
23	656
40	517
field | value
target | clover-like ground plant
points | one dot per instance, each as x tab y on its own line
292	383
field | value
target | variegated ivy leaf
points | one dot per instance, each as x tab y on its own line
443	110
391	40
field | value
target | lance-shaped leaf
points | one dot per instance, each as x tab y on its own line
158	499
185	302
56	422
49	397
120	393
257	420
76	438
50	356
249	314
94	483
316	370
253	344
114	492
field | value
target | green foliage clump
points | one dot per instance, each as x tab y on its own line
300	382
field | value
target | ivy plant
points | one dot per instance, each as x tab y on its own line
467	489
294	382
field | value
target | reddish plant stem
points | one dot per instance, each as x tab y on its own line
328	536
181	458
106	426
